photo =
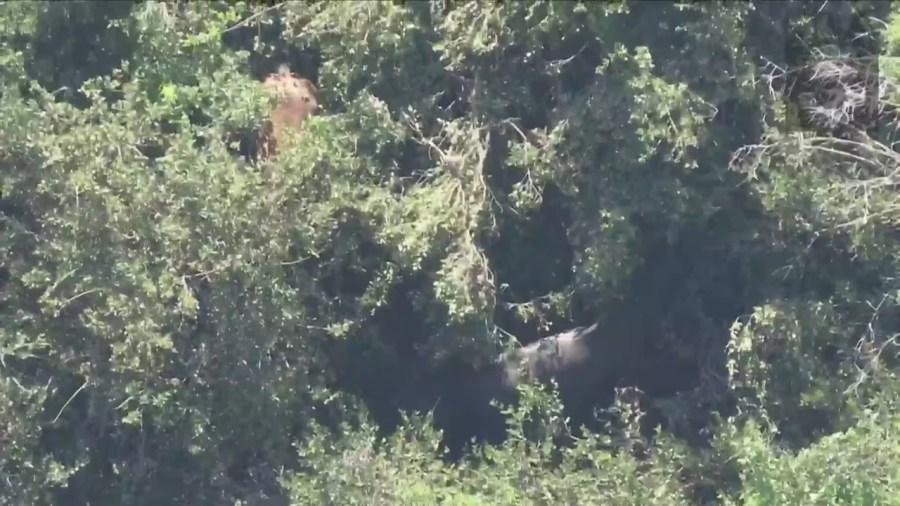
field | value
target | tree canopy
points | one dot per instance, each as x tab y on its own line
183	322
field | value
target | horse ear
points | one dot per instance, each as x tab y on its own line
590	329
284	70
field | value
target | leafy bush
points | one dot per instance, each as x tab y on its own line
181	323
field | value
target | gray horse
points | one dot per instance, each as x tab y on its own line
585	362
558	356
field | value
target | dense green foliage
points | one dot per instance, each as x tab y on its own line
181	324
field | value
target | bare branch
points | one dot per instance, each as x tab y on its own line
250	19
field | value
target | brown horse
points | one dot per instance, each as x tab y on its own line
297	99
